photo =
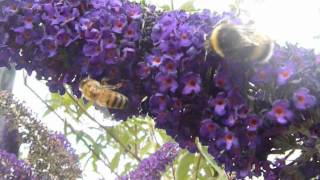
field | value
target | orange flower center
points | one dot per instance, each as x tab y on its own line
279	111
301	98
228	137
285	74
192	82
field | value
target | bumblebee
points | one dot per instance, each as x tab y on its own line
103	94
240	42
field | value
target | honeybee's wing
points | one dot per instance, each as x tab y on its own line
104	111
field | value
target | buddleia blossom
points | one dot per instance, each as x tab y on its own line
50	154
240	110
152	167
13	168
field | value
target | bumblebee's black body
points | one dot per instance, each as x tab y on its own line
240	43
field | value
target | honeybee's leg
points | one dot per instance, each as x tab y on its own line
104	81
112	87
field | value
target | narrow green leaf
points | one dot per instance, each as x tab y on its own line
83	155
79	135
48	111
147	148
184	163
115	161
204	152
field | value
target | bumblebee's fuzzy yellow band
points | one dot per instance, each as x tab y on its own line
214	41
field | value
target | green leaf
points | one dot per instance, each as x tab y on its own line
48	111
184	163
147	148
188	6
220	173
115	161
83	155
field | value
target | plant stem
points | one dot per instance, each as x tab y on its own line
172	7
197	167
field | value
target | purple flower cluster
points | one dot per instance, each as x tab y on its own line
50	154
12	168
65	41
239	110
152	167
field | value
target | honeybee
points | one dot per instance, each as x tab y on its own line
240	42
103	94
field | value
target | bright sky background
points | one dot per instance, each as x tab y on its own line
283	20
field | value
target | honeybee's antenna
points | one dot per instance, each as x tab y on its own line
84	81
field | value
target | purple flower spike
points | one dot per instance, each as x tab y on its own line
119	24
280	111
168	67
154	60
111	56
166	82
99	3
64	38
49	45
108	39
228	140
208	129
131	32
151	167
284	73
134	11
192	83
184	34
222	80
219	103
159	102
262	75
13	168
242	111
231	120
25	35
302	99
253	122
74	3
93	35
91	49
143	70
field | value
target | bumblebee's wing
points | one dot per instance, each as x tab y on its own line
251	37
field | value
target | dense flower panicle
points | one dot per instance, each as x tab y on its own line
13	168
302	99
10	139
280	112
236	108
152	167
50	154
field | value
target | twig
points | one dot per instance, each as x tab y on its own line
173	172
172	7
135	139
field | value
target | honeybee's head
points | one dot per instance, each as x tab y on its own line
88	83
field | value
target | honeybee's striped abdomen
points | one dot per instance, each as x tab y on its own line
114	100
